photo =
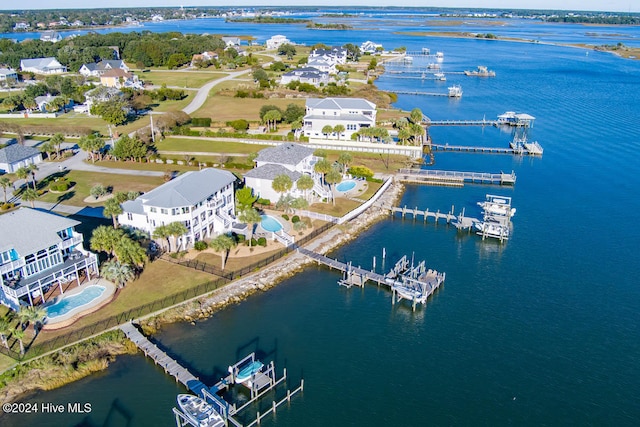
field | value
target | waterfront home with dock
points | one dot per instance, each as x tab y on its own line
352	113
202	200
39	251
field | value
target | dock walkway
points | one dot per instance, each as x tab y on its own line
332	263
454	178
171	366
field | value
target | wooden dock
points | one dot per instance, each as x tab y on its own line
483	122
170	366
460	221
408	92
454	178
332	263
520	150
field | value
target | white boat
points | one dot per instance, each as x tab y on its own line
440	76
439	56
455	91
248	371
492	229
201	413
433	66
481	71
497	208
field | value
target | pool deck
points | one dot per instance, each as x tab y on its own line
361	187
65	320
278	216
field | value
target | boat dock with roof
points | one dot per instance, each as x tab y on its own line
454	178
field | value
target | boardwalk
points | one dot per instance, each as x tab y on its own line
332	263
459	221
455	178
170	366
483	122
408	92
530	149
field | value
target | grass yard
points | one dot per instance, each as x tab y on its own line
6	362
342	207
223	108
375	161
85	180
195	145
192	79
235	262
372	187
158	280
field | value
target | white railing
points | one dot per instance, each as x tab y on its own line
12	266
316	215
283	237
357	211
73	241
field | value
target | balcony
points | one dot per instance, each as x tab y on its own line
72	241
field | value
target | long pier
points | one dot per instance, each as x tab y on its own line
408	92
454	178
170	366
461	122
338	265
520	150
460	221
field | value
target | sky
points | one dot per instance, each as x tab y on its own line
591	5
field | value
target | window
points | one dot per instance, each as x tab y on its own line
153	210
164	211
129	216
185	210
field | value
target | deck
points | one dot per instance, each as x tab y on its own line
533	150
455	178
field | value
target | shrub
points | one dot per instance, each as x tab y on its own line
264	202
295	219
239	125
59	186
203	122
286	217
254	242
200	245
262	241
7	206
240	238
361	172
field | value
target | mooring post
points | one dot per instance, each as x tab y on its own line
374	263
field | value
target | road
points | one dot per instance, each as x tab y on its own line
203	93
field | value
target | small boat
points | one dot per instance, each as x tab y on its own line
201	413
433	66
455	91
492	229
440	77
439	56
496	208
481	71
248	371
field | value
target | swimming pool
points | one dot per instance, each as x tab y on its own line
269	223
345	186
72	302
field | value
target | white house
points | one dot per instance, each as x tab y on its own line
98	69
50	36
202	200
39	250
323	65
42	66
352	113
370	47
202	57
15	156
231	41
308	75
120	78
43	101
276	41
335	55
8	73
21	26
289	159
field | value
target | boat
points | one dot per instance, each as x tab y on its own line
455	91
439	56
481	71
492	229
199	411
495	208
433	66
512	118
440	76
249	371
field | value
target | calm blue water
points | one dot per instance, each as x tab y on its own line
69	303
345	186
542	330
269	223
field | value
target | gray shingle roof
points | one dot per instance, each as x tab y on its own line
40	63
340	104
285	154
188	189
270	171
29	230
15	152
133	206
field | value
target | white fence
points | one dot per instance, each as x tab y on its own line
357	211
29	116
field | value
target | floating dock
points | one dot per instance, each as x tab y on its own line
454	178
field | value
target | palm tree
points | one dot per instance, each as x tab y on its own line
29	195
322	167
281	184
57	140
24	316
32	315
29	104
112	209
22	173
175	230
117	272
305	183
91	144
47	147
19	335
338	129
162	233
128	251
404	134
416	115
32	168
5	183
345	160
327	129
333	177
5	331
223	243
272	116
250	217
105	239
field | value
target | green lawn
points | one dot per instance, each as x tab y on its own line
85	180
372	187
226	108
195	145
189	79
342	207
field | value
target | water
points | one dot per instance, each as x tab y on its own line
72	302
269	223
345	186
542	330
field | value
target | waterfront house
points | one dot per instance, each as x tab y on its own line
15	156
308	75
202	200
231	41
370	47
352	113
293	160
119	78
322	65
50	36
21	26
48	65
97	69
40	250
8	73
335	55
276	41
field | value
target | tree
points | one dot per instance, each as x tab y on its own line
268	107
345	160
19	335
29	103
417	131
128	251
9	103
32	168
353	52
22	173
57	141
338	129
244	199
5	331
105	239
92	144
31	315
293	113
416	115
29	195
98	191
127	148
162	233
282	184
176	229
305	183
272	117
333	177
223	243
111	210
287	49
5	183
327	130
114	111
47	147
260	74
250	217
404	134
117	272
322	167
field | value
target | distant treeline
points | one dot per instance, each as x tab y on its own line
144	49
269	20
611	20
